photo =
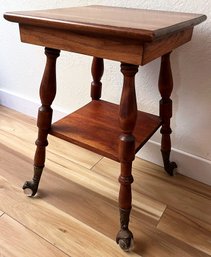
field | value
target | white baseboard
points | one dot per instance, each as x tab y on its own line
24	105
189	165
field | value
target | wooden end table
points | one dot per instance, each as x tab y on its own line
131	36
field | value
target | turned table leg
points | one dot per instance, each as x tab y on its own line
97	73
127	119
165	88
47	95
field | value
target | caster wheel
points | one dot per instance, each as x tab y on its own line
170	169
29	188
126	244
125	240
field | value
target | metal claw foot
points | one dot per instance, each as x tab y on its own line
125	240
30	187
170	168
124	237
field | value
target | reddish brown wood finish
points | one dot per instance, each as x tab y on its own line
127	121
47	94
97	73
96	127
165	87
122	34
110	21
133	37
157	48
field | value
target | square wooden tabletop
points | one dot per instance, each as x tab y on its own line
126	22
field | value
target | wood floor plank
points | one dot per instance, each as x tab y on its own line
95	210
159	189
12	114
187	229
26	132
78	200
179	180
109	188
86	158
63	231
71	171
78	187
18	241
155	243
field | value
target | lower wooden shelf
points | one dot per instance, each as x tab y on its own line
96	127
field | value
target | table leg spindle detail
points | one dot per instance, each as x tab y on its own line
47	95
165	88
127	120
97	73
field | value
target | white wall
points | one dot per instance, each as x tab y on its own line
21	68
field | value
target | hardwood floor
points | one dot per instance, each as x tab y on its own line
76	211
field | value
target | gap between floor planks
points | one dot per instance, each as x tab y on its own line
18	241
13	135
148	240
60	229
177	247
187	229
23	129
162	190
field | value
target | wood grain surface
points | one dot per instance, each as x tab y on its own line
127	35
96	127
16	240
172	196
15	123
125	50
126	22
181	181
76	210
187	229
160	47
